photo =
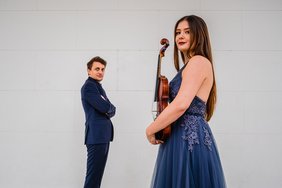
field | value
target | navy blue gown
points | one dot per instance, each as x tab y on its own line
189	158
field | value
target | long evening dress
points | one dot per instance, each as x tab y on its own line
189	158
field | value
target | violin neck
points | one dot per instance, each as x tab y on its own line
159	67
157	79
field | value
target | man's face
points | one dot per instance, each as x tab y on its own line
97	71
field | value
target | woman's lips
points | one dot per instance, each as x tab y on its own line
181	43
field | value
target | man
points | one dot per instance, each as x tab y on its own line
98	126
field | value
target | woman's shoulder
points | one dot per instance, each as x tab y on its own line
199	59
199	62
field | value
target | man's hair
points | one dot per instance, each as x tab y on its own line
96	59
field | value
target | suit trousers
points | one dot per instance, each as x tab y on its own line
97	155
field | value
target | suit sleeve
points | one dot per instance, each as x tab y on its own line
97	101
112	111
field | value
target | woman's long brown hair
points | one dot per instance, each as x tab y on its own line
199	45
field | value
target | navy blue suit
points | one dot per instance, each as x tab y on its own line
98	130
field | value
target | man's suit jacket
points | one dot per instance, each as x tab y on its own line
98	111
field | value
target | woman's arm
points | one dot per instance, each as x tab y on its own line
193	76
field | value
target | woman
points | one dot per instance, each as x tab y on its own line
189	158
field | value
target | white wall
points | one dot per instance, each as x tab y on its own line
44	47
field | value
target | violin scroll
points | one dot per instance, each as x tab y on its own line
165	44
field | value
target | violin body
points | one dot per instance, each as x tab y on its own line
161	105
162	93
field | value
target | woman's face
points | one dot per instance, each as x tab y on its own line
182	36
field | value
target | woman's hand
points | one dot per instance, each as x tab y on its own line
151	137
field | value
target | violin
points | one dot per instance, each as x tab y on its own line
162	92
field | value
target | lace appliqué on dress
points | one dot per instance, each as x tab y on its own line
208	139
191	132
